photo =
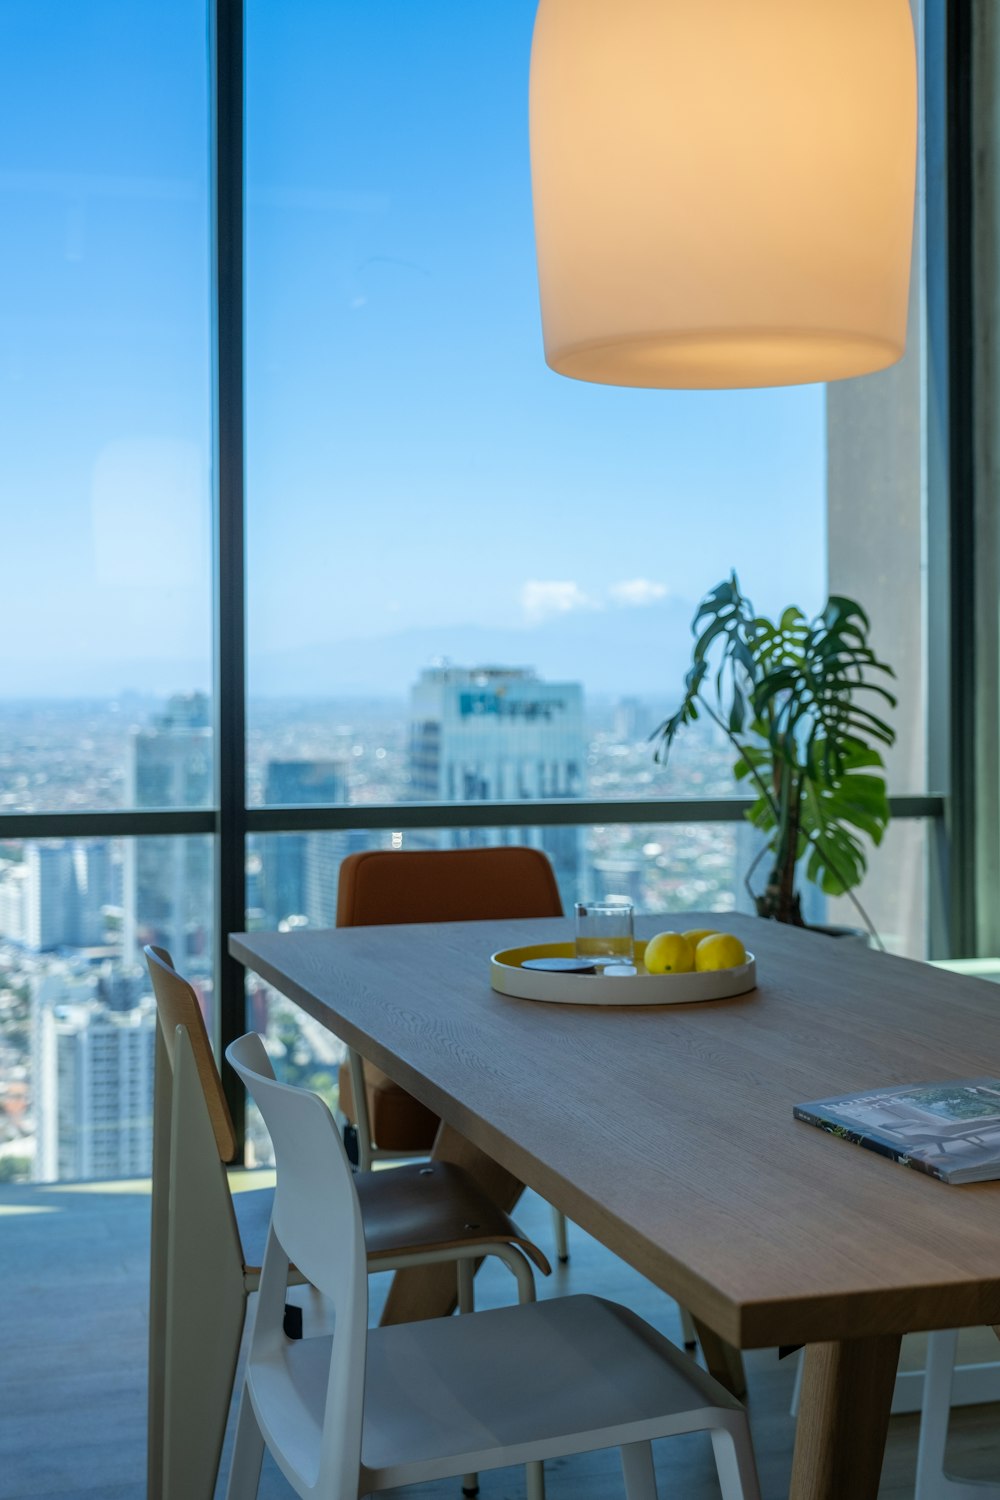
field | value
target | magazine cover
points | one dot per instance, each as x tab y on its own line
950	1130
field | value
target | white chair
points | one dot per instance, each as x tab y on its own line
932	1481
207	1244
364	1411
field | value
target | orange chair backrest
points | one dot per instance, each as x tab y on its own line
177	1005
505	881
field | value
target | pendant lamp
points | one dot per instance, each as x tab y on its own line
723	189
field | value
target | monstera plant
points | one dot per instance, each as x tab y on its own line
797	698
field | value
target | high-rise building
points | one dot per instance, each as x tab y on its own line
168	880
632	720
92	1078
47	896
490	734
66	887
13	901
325	853
90	891
298	867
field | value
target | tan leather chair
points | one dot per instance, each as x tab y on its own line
207	1243
385	886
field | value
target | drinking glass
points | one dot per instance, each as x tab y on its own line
604	931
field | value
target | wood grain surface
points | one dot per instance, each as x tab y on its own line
668	1132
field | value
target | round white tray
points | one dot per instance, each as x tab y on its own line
507	976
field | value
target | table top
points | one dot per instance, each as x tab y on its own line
667	1132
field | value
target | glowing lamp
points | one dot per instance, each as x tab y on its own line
723	189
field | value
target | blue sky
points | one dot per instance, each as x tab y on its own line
412	463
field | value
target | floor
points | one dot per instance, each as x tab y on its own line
73	1269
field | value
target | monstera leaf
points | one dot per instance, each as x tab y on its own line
835	813
731	622
810	674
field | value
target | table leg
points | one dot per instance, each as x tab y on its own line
430	1291
724	1362
843	1419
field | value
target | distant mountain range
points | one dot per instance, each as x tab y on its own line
616	651
611	651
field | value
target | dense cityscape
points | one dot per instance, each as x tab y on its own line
77	1022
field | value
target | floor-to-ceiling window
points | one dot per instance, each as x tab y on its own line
469	582
105	654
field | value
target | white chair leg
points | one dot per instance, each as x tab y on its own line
248	1454
942	1347
734	1460
534	1481
562	1243
932	1481
637	1467
688	1331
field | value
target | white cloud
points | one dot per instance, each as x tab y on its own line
637	591
541	599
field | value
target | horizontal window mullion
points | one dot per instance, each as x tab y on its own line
918	805
139	823
533	814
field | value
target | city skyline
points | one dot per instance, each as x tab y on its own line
76	1018
412	465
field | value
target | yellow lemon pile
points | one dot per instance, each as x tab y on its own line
698	950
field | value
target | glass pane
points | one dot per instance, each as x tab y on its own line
105	386
470	579
895	892
662	867
421	489
77	1016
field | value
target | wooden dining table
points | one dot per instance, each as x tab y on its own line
667	1133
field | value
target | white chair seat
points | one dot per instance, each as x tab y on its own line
523	1383
510	1386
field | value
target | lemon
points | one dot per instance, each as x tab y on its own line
695	935
719	951
668	953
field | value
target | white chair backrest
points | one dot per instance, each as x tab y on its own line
316	1224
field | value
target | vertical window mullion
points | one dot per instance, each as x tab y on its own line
229	533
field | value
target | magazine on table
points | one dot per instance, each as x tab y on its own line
950	1130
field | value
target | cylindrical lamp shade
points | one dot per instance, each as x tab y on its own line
723	189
